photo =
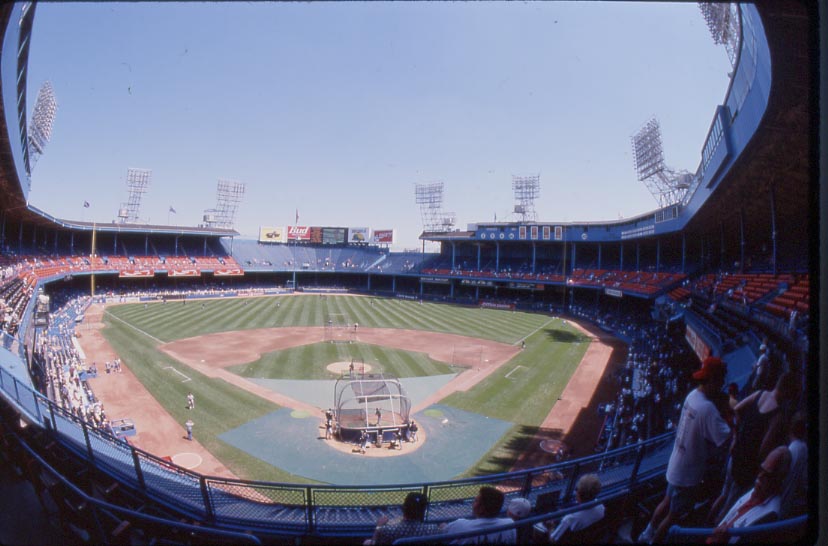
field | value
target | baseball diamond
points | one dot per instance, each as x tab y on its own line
475	360
349	376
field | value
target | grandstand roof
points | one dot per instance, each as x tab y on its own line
780	153
40	217
11	197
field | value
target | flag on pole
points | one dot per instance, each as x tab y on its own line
297	217
172	210
86	204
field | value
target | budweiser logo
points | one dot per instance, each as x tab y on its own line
298	231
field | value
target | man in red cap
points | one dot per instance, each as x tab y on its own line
700	427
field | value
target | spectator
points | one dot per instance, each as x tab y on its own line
485	509
586	490
761	423
795	490
762	504
760	369
411	524
732	394
700	427
518	509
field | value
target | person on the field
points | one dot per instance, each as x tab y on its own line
189	425
190	401
378	413
411	432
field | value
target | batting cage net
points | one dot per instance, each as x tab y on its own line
370	403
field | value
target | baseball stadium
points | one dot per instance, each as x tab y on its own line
167	384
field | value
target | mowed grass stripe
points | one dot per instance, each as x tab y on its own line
189	320
381	315
412	318
435	317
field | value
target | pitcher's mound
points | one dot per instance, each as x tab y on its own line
345	367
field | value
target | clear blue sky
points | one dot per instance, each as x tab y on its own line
339	109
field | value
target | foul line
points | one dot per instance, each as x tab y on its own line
535	331
179	373
513	371
134	327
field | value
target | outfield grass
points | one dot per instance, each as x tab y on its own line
522	391
175	320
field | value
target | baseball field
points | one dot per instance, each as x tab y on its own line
245	358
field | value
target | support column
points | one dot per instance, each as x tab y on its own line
534	256
658	255
773	229
683	252
599	255
741	241
453	254
497	257
638	256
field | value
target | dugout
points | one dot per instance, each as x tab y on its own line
357	399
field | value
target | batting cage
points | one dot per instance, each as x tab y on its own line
370	404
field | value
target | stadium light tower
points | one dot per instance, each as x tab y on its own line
724	22
667	185
229	194
430	199
40	127
137	182
527	189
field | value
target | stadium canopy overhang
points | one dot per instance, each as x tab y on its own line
43	219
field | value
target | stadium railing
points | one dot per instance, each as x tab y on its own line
777	532
102	522
294	510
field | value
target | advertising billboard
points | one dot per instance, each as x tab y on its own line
383	236
271	234
359	235
298	233
316	235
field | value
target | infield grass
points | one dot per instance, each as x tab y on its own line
553	350
310	362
